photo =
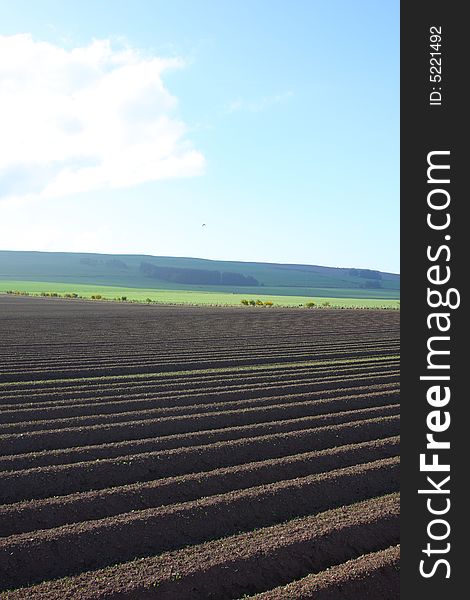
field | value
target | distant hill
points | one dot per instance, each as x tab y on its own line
166	272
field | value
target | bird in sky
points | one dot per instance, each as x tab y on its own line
203	225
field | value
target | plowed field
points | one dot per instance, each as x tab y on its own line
197	453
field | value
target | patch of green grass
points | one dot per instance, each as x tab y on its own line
188	297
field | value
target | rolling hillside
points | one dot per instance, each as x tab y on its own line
174	273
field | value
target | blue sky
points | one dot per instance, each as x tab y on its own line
275	123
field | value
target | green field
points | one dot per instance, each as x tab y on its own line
125	271
186	296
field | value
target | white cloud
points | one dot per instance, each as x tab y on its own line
254	106
86	119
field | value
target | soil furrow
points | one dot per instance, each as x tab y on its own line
88	388
135	398
117	539
371	427
14	443
86	506
375	575
199	404
241	564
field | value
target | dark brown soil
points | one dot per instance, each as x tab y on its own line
65	479
375	575
112	432
294	430
196	453
242	564
125	411
87	506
